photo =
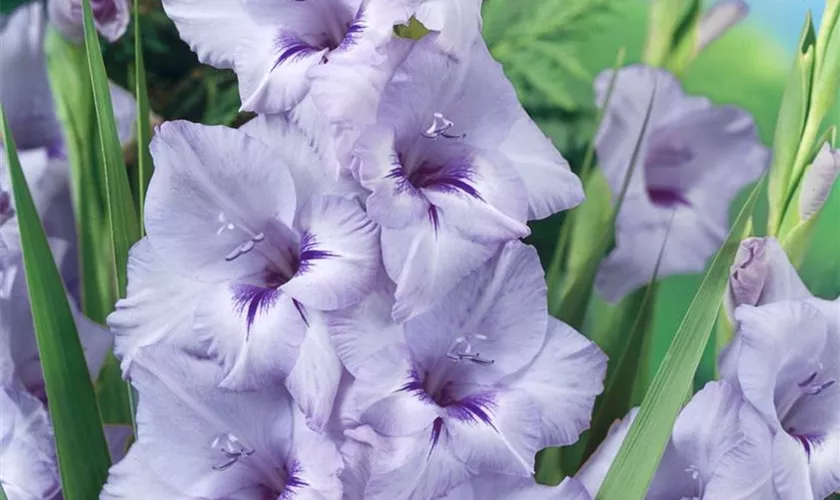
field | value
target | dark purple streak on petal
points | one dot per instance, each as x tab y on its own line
293	481
454	177
437	428
290	47
309	252
354	33
252	300
474	409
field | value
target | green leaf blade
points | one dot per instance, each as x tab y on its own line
80	441
144	128
123	219
639	456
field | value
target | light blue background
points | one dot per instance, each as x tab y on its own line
782	18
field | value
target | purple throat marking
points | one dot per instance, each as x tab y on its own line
808	441
665	157
309	252
353	34
289	48
293	481
475	408
252	300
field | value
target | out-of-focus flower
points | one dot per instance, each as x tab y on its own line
818	181
110	17
28	467
479	383
719	19
48	183
719	448
455	167
255	255
694	159
786	359
197	441
24	87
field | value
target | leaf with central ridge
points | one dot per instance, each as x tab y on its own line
83	458
144	129
639	456
573	298
123	220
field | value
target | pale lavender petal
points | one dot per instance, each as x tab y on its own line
216	193
394	201
184	419
725	443
338	254
496	431
481	314
29	466
775	371
550	183
563	381
212	28
361	331
158	307
824	465
403	468
458	22
272	70
313	381
313	465
254	331
790	469
407	411
426	263
309	155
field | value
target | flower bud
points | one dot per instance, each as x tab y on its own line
761	274
818	181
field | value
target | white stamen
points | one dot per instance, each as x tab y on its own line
462	349
231	448
243	248
226	226
696	477
439	127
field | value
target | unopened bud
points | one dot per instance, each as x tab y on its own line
818	181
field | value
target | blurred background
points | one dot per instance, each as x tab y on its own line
552	50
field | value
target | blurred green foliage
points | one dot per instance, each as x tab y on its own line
179	86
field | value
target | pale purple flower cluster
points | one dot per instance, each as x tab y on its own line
332	301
